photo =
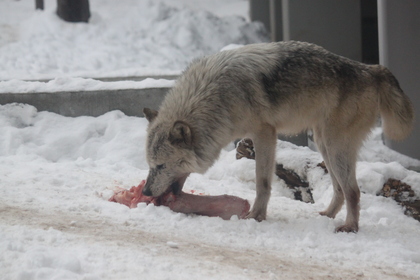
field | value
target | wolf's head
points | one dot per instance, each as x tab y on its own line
170	154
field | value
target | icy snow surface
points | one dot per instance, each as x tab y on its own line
56	173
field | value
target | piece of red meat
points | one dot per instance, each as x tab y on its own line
224	206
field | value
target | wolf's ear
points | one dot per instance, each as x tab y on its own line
150	114
180	135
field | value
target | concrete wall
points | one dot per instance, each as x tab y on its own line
259	10
399	50
335	25
90	103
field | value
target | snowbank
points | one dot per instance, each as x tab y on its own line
57	173
130	38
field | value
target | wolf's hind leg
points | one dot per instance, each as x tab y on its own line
265	148
337	200
343	166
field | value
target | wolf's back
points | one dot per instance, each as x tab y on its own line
395	107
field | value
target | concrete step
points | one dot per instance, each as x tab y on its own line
93	103
128	78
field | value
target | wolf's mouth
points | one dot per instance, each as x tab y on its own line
176	187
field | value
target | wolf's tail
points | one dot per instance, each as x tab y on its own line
396	109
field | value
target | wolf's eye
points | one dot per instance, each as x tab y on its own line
160	166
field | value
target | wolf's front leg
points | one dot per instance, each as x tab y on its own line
265	148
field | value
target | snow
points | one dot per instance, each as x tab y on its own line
56	223
56	173
120	39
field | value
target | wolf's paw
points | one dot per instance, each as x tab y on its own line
256	215
326	213
347	228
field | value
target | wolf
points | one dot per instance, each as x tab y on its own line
262	90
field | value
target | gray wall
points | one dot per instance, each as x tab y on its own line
399	50
335	25
90	103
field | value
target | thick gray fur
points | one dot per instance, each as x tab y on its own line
261	90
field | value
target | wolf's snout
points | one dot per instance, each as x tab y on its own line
146	191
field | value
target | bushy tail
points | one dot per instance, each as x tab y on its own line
396	109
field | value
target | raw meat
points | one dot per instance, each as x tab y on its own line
224	206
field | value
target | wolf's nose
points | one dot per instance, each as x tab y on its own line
147	192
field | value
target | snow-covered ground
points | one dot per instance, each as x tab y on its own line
123	38
56	223
56	173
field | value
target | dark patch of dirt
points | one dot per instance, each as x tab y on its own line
404	195
300	187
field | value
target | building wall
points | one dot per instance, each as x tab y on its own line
399	50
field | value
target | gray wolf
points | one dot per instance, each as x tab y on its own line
260	90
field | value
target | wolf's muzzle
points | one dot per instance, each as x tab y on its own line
147	191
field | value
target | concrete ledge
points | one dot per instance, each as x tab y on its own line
117	79
95	103
90	103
